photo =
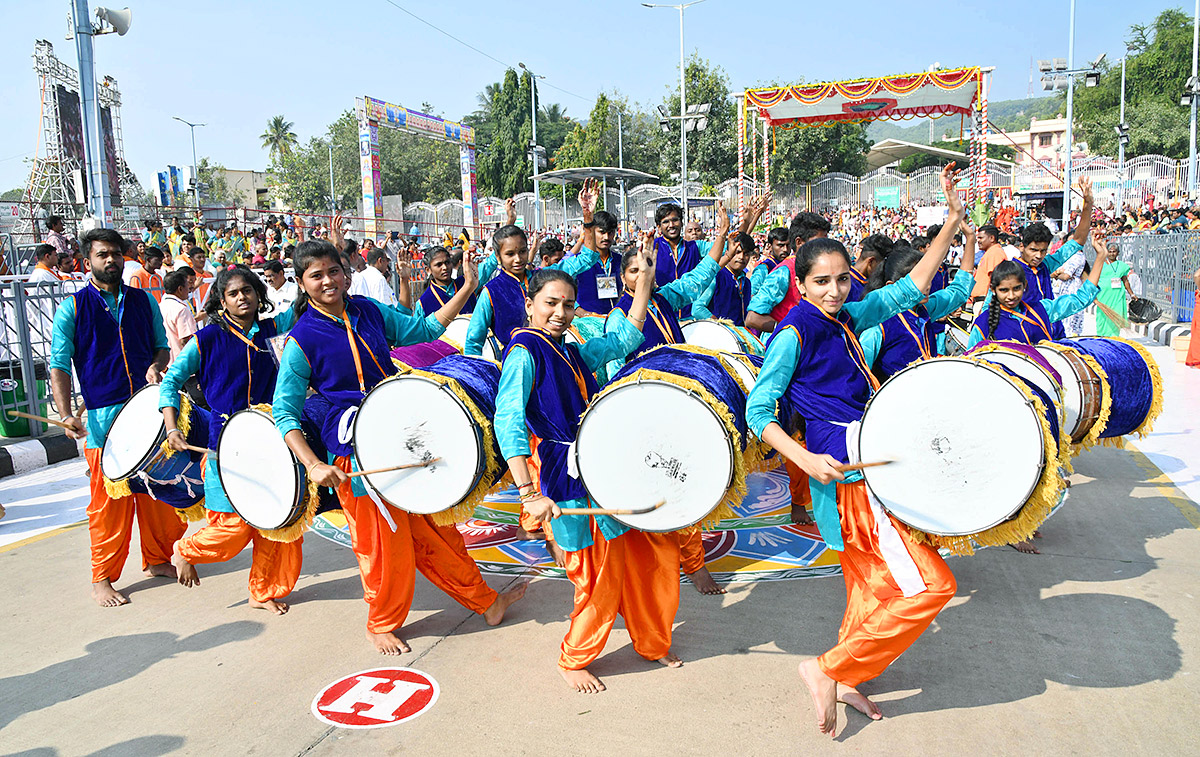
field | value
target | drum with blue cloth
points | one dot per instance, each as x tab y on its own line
721	335
1132	379
671	425
136	453
982	469
443	411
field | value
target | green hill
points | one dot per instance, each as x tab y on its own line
1009	115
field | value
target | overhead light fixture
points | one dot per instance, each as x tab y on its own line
1091	79
1099	59
1186	99
1060	64
1045	65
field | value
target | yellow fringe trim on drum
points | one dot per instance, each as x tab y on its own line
1093	434
737	488
194	513
116	489
1031	515
1156	403
296	530
183	422
463	511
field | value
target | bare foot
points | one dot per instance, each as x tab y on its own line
495	614
671	660
187	571
800	516
560	557
824	694
162	570
523	535
582	681
851	696
1026	547
274	605
106	596
704	583
1037	534
388	643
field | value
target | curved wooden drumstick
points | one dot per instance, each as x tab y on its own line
393	468
42	418
602	511
860	466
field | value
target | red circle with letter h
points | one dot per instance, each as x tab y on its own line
376	698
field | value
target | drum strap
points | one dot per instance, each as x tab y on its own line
345	435
899	562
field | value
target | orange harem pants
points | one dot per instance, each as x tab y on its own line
274	567
110	526
880	622
386	560
691	551
635	575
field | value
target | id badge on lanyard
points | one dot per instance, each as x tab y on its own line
606	287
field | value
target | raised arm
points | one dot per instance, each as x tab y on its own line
754	211
1084	227
587	206
922	274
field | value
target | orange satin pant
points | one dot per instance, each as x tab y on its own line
798	485
274	566
110	526
691	551
635	575
386	559
880	622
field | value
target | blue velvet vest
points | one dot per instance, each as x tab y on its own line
907	337
555	404
857	284
587	296
334	374
1038	288
434	298
668	267
234	375
731	297
1029	326
110	358
661	327
508	304
831	383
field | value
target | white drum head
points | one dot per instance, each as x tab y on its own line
747	372
258	472
713	335
136	431
960	467
492	349
456	332
409	419
959	337
1072	388
650	441
1028	370
571	337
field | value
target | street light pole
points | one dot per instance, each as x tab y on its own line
1066	211
332	193
621	162
683	172
1121	144
99	201
537	188
1192	141
195	165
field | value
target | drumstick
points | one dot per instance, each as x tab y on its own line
602	511
202	450
393	468
43	419
860	466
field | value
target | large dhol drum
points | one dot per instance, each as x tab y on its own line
262	479
1133	380
721	335
444	411
957	339
1025	363
135	451
982	469
1084	394
424	353
456	335
670	426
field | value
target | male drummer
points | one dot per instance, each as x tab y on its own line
114	336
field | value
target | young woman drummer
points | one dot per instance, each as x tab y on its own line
894	585
233	360
339	348
544	387
910	336
1008	317
441	286
501	306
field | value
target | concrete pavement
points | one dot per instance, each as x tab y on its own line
1091	647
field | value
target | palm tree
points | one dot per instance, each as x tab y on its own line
279	137
554	113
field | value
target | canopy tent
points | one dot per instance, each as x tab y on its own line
929	94
891	150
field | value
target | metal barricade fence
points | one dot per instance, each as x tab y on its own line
1165	263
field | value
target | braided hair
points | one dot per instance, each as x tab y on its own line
1004	270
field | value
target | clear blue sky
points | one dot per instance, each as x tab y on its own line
234	64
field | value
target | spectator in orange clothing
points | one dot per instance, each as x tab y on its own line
147	276
993	255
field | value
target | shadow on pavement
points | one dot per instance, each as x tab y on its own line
107	662
142	746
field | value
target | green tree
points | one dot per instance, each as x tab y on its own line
1157	69
278	139
553	126
217	192
800	155
712	152
586	144
503	167
12	195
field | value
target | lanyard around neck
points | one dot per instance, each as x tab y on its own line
358	366
559	350
1036	320
660	323
919	338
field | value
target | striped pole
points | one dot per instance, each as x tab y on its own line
741	138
